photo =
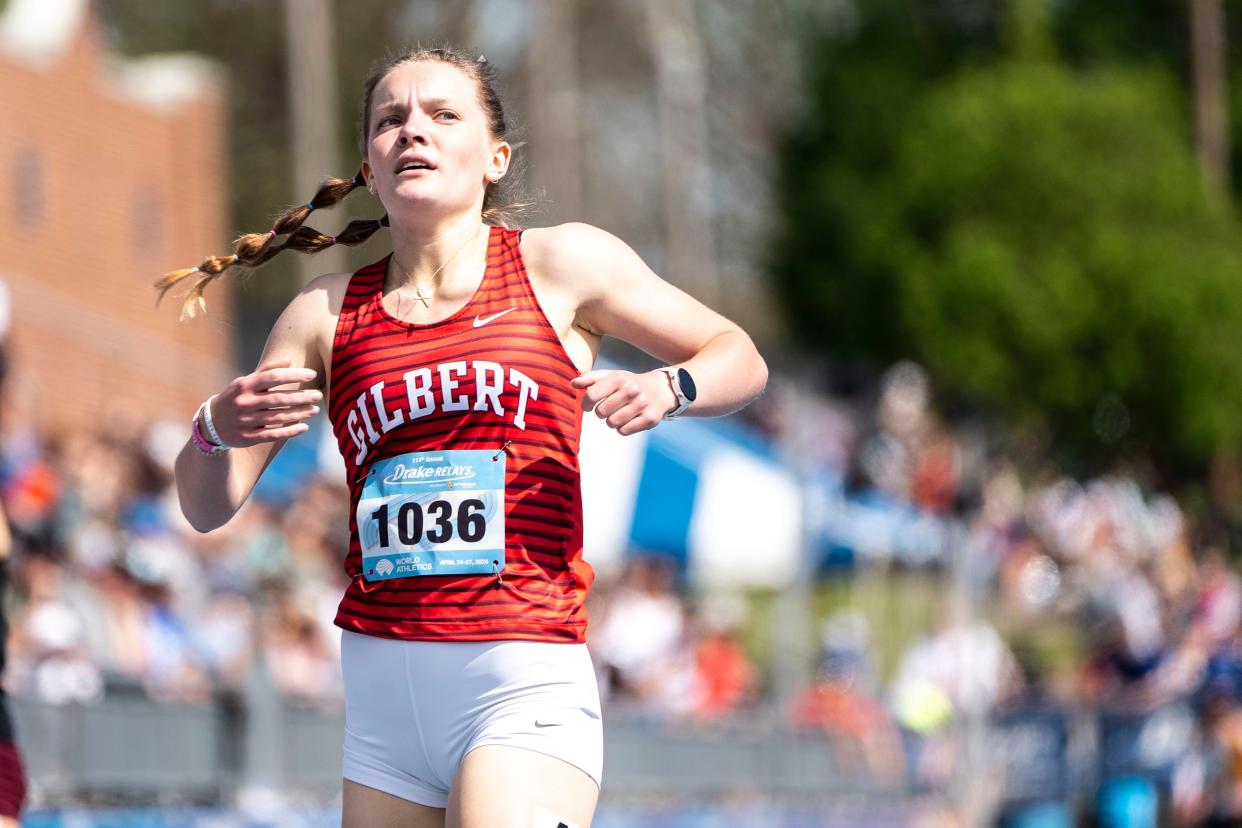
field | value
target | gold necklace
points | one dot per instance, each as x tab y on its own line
419	291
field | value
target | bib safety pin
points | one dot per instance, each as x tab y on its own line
496	571
502	450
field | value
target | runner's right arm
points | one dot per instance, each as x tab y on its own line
257	413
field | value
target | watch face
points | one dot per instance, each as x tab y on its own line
687	384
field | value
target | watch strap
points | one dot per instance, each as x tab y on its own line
683	402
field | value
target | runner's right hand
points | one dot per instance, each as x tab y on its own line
251	410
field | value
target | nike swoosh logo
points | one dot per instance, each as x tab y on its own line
547	724
480	321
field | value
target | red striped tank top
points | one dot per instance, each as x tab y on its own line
492	375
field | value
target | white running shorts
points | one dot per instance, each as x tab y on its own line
414	709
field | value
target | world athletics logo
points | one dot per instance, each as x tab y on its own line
384	567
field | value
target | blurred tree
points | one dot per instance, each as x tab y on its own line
1211	110
1055	254
1038	236
1096	33
1102	32
864	77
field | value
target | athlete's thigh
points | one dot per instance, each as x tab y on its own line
370	808
500	786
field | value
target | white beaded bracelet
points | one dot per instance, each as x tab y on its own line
211	427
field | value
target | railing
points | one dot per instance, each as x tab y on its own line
129	749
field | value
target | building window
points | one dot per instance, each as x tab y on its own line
29	194
148	222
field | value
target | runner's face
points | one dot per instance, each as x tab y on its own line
430	109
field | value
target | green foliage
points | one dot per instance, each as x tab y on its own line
835	166
1038	237
1054	246
1103	32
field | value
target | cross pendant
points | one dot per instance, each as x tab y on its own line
422	298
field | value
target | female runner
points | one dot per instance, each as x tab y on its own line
456	370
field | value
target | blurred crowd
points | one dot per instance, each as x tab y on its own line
1079	596
115	593
1099	599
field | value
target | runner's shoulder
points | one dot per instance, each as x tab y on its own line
572	254
306	326
315	308
321	299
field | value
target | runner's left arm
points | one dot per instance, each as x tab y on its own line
618	295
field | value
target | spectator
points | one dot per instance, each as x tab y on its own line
725	681
50	661
838	703
641	630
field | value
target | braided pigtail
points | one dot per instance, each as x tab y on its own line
331	192
210	269
310	240
254	249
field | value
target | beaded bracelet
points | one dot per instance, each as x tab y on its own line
211	427
201	443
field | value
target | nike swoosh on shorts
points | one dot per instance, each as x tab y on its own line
547	724
480	321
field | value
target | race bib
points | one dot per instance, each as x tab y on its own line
433	513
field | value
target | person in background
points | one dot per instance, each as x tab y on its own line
12	773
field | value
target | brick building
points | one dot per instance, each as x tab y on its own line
111	173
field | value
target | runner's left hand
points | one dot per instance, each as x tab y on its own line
628	402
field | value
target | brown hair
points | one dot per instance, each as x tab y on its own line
502	203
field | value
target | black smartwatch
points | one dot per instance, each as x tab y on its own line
682	383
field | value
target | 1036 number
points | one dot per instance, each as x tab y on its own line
469	523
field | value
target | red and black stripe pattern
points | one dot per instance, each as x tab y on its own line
492	375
